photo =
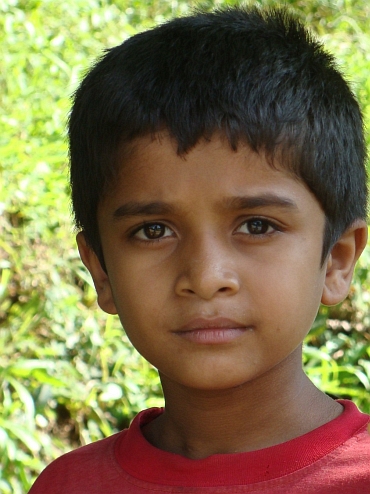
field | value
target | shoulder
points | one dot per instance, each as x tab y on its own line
97	467
79	469
356	450
356	426
347	467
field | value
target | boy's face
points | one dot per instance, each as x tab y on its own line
213	261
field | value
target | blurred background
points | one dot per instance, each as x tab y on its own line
67	373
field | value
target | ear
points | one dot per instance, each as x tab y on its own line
341	262
99	276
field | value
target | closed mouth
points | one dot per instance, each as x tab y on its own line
212	331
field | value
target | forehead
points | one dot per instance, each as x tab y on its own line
146	158
211	174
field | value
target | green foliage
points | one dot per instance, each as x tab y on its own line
67	373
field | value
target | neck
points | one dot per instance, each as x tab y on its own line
199	423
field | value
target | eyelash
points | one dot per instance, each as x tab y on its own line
142	227
263	222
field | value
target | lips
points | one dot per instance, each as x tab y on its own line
212	331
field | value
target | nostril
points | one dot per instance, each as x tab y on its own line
188	290
207	283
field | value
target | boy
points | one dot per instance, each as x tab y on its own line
218	180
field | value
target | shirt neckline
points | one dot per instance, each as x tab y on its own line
147	463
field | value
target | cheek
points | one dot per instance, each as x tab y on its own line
140	300
291	294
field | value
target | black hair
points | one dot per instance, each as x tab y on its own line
257	76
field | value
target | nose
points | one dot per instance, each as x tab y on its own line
207	270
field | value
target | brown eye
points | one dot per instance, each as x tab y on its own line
257	226
154	231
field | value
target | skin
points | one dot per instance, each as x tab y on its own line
213	265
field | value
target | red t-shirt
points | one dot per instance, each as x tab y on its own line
332	459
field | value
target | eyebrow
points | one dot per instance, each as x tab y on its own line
260	201
134	208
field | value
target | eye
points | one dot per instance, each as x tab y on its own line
152	231
257	226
